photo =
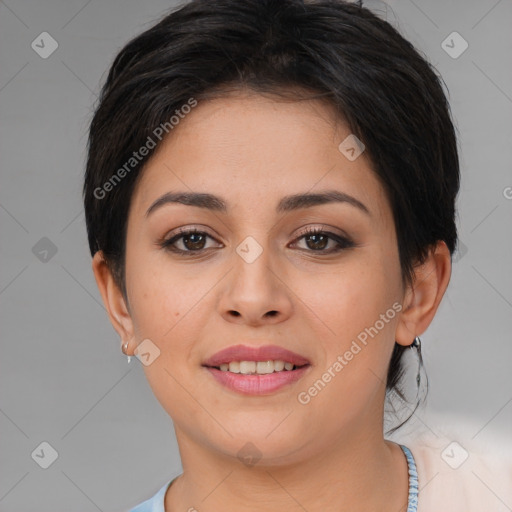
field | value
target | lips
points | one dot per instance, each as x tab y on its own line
247	353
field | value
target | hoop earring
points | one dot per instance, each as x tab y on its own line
124	349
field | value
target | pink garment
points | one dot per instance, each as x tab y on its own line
456	477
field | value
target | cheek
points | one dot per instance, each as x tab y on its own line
355	348
355	312
163	308
351	298
155	300
171	307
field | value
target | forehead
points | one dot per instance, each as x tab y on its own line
252	150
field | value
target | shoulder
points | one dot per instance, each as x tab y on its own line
459	475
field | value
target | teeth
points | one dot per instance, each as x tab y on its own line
256	367
234	366
278	366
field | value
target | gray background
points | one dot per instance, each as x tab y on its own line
63	378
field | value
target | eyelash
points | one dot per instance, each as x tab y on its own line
342	241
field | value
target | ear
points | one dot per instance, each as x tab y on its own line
422	298
114	301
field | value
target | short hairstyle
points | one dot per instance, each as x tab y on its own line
341	53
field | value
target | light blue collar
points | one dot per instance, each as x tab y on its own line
412	504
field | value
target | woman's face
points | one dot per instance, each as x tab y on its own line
254	277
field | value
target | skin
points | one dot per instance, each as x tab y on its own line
251	151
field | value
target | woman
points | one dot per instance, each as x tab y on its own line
270	203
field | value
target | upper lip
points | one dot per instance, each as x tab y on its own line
262	353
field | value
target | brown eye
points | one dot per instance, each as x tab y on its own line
317	240
192	241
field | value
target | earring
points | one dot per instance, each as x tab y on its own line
417	345
124	349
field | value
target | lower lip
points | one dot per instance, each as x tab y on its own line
257	384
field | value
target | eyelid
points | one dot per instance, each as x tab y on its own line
323	228
183	230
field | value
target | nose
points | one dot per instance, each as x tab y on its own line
256	292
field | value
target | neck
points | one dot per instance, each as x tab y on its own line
360	472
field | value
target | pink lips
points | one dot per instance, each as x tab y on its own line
246	353
256	384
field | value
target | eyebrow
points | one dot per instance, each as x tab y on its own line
286	204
